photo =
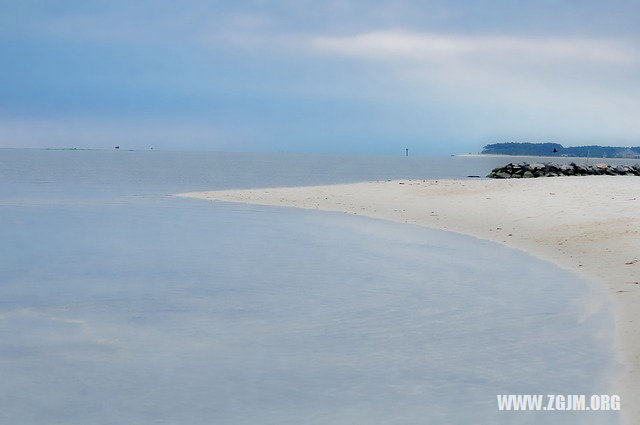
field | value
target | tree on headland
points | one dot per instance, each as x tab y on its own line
556	149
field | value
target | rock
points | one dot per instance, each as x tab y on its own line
538	169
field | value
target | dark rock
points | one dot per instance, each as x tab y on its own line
538	169
536	166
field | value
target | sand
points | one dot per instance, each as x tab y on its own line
590	225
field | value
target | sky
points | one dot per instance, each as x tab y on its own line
334	76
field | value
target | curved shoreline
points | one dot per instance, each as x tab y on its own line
590	225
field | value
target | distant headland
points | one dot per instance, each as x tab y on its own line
556	149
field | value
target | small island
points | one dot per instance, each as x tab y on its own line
556	149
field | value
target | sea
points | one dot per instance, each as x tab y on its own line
123	304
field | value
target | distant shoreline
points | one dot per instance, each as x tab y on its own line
544	149
590	225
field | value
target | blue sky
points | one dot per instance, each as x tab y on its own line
438	77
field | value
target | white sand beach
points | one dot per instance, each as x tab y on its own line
590	225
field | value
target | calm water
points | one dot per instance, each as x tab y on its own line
122	304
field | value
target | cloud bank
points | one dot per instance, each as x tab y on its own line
333	76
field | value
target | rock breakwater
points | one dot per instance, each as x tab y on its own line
547	169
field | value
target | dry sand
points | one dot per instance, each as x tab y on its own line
590	225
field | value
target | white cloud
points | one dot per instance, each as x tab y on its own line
577	89
414	46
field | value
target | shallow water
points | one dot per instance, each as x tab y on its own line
120	304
